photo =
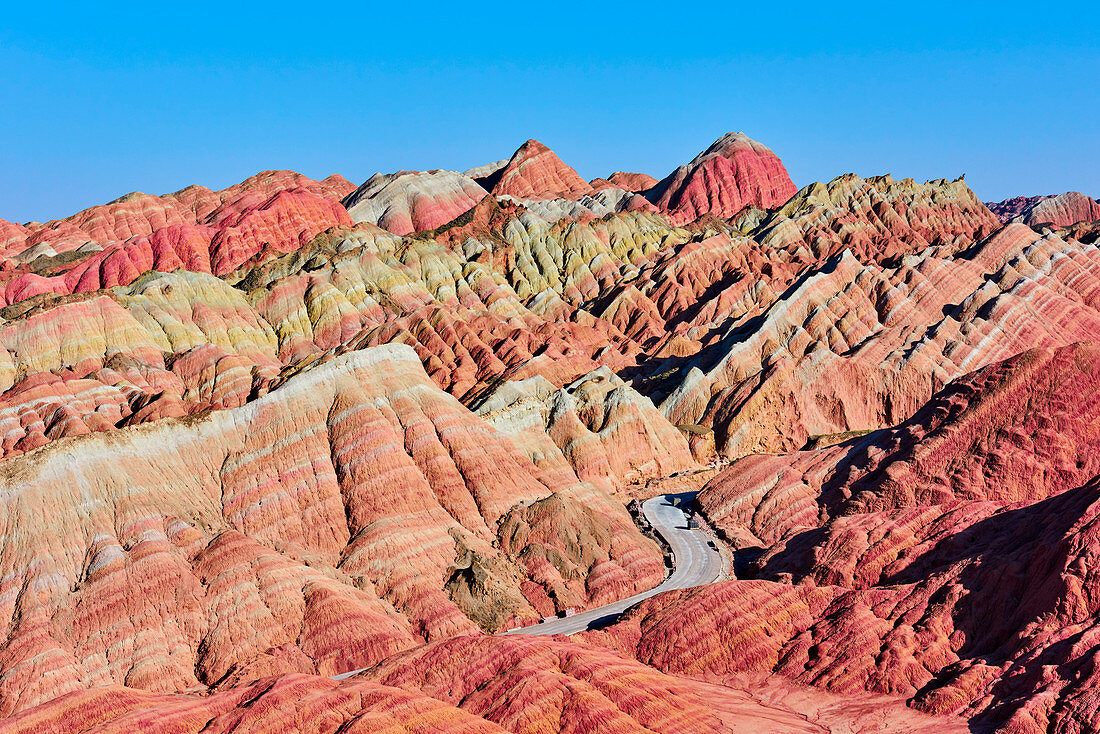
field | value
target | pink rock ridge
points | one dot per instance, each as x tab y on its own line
484	685
731	174
535	172
1006	210
1062	210
282	223
411	201
194	229
142	214
636	182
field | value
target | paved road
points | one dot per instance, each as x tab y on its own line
694	563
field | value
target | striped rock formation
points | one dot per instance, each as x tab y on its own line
170	344
876	218
947	559
511	684
535	172
734	172
141	214
638	182
412	201
783	327
855	345
194	229
1062	210
765	350
248	436
353	511
297	703
587	206
1006	210
607	432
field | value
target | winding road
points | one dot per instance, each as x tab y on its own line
694	563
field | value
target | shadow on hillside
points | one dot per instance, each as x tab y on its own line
994	579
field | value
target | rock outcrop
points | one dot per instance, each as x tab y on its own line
511	684
412	201
877	218
249	439
194	229
535	172
637	182
353	511
606	431
1062	210
141	214
731	174
946	559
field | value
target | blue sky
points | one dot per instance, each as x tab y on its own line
100	101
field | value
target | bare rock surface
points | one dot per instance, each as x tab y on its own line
503	684
535	172
945	559
256	437
412	201
1062	210
734	172
350	513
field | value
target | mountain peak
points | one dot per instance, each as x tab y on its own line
734	172
535	172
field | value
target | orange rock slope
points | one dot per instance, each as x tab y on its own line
255	437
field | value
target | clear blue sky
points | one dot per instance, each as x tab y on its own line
102	99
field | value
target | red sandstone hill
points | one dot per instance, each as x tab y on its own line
411	201
535	172
354	511
503	684
946	559
195	229
1008	209
627	181
251	438
1062	210
731	174
141	214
